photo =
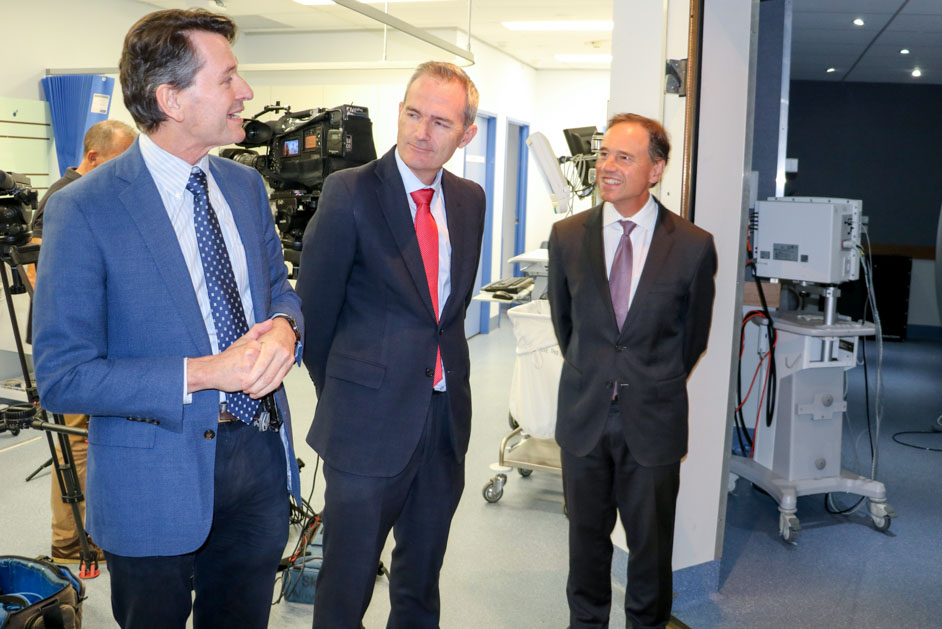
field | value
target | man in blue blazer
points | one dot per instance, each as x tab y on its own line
163	310
631	295
387	270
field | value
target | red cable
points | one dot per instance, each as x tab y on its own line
755	429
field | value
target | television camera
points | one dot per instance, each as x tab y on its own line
301	149
17	202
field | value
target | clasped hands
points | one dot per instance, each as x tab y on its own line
255	363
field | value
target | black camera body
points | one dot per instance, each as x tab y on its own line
302	149
17	202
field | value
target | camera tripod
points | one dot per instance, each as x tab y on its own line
32	415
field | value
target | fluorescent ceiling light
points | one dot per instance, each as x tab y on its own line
584	58
317	3
917	72
829	70
569	25
904	51
857	21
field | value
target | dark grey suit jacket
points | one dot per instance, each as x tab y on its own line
651	356
371	345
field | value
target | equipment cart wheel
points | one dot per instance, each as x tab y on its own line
882	515
494	489
788	526
524	471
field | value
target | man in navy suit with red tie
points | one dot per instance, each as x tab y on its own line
631	294
387	272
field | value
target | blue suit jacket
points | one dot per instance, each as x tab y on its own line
372	353
115	314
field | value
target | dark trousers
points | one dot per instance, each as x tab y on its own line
233	572
606	479
417	504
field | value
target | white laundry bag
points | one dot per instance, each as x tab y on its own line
535	382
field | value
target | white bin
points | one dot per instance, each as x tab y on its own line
535	383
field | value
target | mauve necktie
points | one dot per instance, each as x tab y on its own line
426	230
224	300
619	279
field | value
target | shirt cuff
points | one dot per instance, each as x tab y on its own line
187	397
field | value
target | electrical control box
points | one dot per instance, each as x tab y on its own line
810	239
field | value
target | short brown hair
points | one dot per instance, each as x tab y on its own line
659	145
444	71
101	136
157	50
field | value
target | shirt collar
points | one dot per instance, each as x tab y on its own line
644	218
167	169
413	183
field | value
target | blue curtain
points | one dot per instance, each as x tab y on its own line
76	101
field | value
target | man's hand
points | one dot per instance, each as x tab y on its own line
228	370
274	360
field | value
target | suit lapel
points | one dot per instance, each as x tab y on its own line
142	202
246	225
461	237
392	199
594	246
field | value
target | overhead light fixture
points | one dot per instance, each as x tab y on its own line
857	21
584	58
569	25
904	51
830	70
917	72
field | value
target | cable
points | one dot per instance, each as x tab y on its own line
936	429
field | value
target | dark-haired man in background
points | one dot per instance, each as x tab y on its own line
103	142
387	270
631	294
163	310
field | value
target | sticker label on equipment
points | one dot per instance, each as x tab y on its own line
789	253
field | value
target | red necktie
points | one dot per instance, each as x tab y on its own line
426	230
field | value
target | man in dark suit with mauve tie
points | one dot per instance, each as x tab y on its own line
631	292
387	272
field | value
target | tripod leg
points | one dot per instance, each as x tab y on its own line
39	469
67	477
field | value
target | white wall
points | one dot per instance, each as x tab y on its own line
40	34
563	99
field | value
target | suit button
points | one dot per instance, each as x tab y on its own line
440	332
209	434
619	348
429	373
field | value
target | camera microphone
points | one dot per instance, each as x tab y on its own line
7	183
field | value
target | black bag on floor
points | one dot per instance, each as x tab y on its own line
38	594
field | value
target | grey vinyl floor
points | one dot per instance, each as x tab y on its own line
506	563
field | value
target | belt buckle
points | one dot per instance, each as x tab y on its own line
225	416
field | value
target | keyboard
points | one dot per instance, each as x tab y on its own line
512	285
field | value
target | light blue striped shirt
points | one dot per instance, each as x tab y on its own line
171	174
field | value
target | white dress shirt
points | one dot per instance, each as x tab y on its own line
640	236
412	183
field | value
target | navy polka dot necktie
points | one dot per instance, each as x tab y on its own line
224	299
